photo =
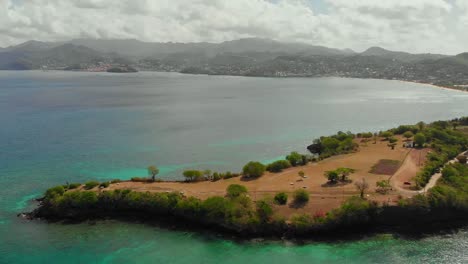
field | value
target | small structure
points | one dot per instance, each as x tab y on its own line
408	144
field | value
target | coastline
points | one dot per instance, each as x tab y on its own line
242	215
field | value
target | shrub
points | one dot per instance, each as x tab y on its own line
278	166
91	184
408	134
301	196
139	179
386	134
392	140
104	184
420	139
193	175
73	185
236	190
253	169
301	222
264	210
116	181
281	198
54	191
295	159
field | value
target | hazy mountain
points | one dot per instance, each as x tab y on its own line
135	48
34	55
401	56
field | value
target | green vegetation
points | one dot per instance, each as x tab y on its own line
91	184
236	190
301	196
73	185
193	175
340	174
238	213
139	179
296	159
278	166
383	186
419	139
408	134
341	143
253	169
153	171
281	198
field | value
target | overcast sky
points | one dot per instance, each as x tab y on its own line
436	26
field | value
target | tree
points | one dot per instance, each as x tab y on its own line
193	175
278	166
301	196
386	134
281	198
421	126
153	171
207	174
383	186
264	210
362	186
344	173
419	139
392	140
294	158
455	124
253	169
236	190
408	134
316	147
332	176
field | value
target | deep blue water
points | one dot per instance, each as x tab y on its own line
67	126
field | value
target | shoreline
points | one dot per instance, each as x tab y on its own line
235	211
269	77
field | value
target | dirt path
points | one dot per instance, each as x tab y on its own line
410	167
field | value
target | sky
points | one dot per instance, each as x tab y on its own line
420	26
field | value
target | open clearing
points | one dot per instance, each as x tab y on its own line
322	198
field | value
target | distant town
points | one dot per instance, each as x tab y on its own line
244	57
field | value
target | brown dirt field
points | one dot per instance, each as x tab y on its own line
322	198
409	169
386	167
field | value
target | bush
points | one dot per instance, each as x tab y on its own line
281	198
73	185
295	159
54	191
301	196
278	166
91	184
264	210
104	184
253	169
392	140
420	139
116	181
236	190
193	175
139	179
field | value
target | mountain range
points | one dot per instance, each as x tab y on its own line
250	56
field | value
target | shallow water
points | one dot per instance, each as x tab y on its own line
59	127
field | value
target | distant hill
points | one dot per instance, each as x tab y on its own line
401	56
34	55
247	57
135	48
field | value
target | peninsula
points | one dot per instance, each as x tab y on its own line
412	178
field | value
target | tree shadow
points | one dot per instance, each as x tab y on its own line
336	184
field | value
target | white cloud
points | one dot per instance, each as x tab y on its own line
412	25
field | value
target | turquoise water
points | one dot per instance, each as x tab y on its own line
59	126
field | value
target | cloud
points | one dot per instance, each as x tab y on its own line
412	25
